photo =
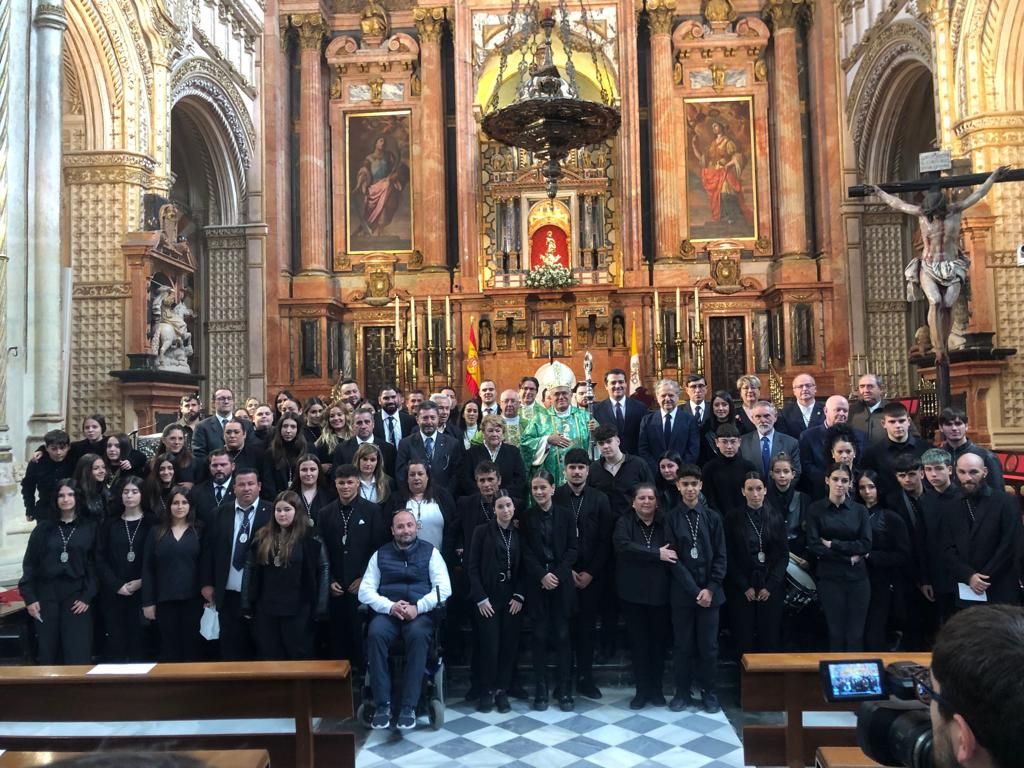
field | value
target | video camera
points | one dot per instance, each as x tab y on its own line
893	726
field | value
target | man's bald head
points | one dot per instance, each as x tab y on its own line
971	472
837	410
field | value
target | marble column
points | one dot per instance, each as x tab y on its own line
429	25
5	114
312	144
630	237
943	72
663	150
784	16
45	324
467	139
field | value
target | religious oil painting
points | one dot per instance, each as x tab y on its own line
377	148
721	180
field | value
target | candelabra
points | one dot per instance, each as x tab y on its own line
429	363
659	354
415	350
679	350
698	351
449	352
399	363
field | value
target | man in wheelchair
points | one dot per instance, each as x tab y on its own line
404	581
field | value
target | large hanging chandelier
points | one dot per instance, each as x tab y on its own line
548	116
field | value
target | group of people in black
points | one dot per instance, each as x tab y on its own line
271	515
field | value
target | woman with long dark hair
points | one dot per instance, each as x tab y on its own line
280	399
173	443
91	476
374	483
287	445
723	411
839	536
285	582
756	570
309	488
469	424
665	485
313	412
58	582
791	504
117	455
156	490
170	579
431	505
119	561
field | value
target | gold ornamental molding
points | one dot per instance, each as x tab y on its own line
429	23
106	167
311	28
659	15
999	130
784	14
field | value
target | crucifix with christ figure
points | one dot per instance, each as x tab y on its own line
550	337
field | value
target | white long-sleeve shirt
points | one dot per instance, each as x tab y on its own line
439	579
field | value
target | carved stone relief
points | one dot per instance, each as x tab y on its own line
228	292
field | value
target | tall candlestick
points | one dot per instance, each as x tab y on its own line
679	315
696	304
447	319
412	320
657	316
430	324
398	335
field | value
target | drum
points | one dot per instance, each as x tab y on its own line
801	591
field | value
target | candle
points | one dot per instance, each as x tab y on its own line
696	304
448	320
679	314
657	316
430	325
397	321
412	321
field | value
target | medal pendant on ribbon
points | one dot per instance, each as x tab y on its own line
693	553
130	557
419	525
760	557
508	575
64	557
243	537
344	539
277	561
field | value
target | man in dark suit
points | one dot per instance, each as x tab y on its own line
867	414
362	421
445	418
805	411
206	496
391	423
760	447
209	433
225	547
623	413
442	452
670	428
697	394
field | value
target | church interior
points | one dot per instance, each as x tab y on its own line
267	195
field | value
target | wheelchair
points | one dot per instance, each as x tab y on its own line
432	691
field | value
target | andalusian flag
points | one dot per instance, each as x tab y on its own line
472	364
634	362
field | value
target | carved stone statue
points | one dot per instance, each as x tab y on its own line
941	270
373	22
171	342
169	242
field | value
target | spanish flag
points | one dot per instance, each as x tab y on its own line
634	362
472	364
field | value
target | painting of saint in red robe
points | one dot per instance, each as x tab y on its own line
720	188
380	199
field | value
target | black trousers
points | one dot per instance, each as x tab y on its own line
921	620
286	638
236	640
584	627
646	627
177	625
876	626
126	634
550	621
609	611
695	629
845	604
756	626
64	637
497	644
346	629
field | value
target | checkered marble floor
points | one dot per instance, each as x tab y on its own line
599	733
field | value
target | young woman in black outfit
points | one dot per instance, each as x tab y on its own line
791	504
313	413
756	570
170	579
58	582
889	557
309	487
91	477
119	557
287	445
668	495
497	586
156	490
839	536
285	582
642	549
174	443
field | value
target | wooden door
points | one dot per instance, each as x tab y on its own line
378	360
727	352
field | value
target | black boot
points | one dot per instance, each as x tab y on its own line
540	697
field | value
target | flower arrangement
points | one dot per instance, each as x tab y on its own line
550	276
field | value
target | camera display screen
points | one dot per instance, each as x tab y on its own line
859	680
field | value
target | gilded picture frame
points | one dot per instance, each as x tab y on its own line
378	176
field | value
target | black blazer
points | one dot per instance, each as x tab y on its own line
218	542
316	580
346	451
405	420
685	438
204	500
688	578
594	526
791	418
510	465
564	550
365	535
743	570
445	465
484	568
991	546
848	527
640	575
890	553
208	436
633	412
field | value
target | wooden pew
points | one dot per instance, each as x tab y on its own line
829	757
208	691
220	758
790	683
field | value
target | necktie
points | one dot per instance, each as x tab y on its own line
766	454
219	493
223	423
697	413
428	446
242	542
620	422
668	430
391	430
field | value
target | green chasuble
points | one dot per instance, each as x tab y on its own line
539	454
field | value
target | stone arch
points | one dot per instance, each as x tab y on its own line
97	75
1008	59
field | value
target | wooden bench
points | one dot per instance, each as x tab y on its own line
220	758
790	683
829	757
301	690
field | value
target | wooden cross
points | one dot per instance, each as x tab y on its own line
551	338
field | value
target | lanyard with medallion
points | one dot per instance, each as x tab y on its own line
694	527
760	540
130	557
64	557
507	575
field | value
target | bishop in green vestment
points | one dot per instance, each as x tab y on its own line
551	433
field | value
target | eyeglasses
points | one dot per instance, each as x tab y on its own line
925	692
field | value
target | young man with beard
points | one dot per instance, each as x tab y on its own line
391	423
